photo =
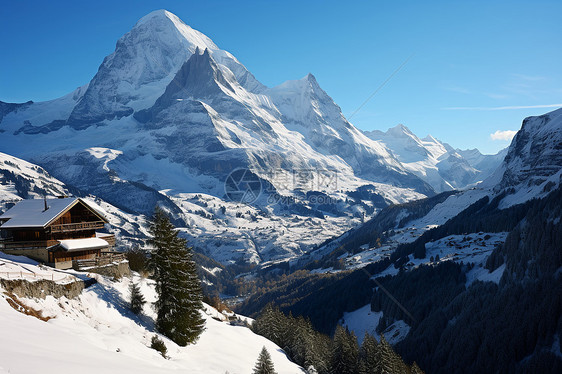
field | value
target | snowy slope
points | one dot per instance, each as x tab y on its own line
226	231
19	178
97	331
437	163
308	110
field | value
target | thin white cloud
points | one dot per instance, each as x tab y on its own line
504	107
458	89
506	135
497	96
529	77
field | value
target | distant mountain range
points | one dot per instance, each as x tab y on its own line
169	115
436	162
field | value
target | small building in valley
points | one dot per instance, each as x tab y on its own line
54	231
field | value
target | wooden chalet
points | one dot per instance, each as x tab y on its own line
54	231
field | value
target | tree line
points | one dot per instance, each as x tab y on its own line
318	353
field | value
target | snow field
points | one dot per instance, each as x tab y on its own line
97	331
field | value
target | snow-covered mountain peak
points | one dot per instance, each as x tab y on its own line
311	79
548	123
192	39
401	131
144	62
136	73
430	138
178	115
171	28
307	109
406	146
437	163
157	15
303	86
198	76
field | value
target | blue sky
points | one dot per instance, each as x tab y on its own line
476	68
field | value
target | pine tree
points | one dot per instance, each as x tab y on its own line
177	285
272	324
369	355
390	361
345	352
264	365
137	299
158	344
416	369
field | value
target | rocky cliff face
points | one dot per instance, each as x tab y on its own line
535	154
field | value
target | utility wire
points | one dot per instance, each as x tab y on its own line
381	86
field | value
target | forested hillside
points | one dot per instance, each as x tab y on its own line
512	326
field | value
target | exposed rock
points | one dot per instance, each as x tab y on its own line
114	270
42	288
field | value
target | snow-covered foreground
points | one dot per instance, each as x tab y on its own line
96	332
20	267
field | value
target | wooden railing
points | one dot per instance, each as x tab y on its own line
35	276
110	239
105	258
27	245
67	227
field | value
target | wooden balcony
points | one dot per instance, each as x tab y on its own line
70	227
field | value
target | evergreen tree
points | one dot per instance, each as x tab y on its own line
177	285
369	355
416	369
158	344
390	361
345	352
264	365
271	323
137	299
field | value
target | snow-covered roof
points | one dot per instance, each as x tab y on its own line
32	213
103	235
82	244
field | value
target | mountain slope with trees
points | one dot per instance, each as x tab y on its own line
497	309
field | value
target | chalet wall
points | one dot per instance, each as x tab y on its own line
36	254
62	265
